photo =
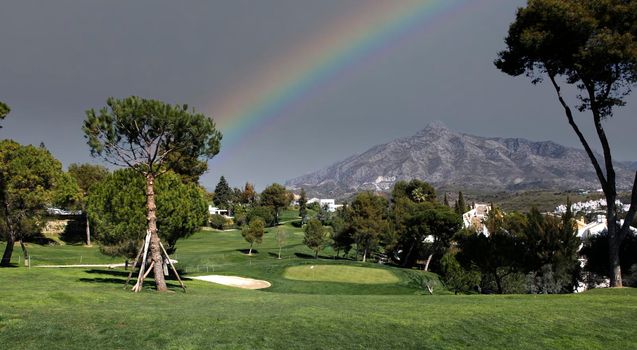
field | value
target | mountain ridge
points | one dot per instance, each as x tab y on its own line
446	158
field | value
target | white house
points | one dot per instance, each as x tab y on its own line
474	218
330	204
216	211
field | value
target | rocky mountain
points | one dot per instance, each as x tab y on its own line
453	160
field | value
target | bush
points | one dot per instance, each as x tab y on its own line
595	251
217	221
265	213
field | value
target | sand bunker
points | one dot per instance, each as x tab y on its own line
234	281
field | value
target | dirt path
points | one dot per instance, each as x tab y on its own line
235	281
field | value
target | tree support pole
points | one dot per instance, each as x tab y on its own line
173	267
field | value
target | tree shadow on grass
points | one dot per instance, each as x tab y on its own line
10	266
119	277
246	251
74	232
320	257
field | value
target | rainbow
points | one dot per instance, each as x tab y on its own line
347	44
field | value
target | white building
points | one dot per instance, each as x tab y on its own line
474	218
330	204
216	211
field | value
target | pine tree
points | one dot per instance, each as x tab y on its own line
302	205
461	207
223	194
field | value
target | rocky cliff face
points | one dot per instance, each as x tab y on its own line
451	159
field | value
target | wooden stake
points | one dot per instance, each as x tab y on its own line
142	267
140	283
130	274
172	266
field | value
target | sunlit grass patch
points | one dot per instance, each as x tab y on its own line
340	273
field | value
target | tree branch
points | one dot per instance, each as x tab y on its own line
571	121
603	140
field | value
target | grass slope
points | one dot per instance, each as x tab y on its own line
88	308
76	309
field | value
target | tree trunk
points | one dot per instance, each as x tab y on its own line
316	255
155	250
607	180
614	243
279	253
88	230
25	252
8	251
428	261
411	249
250	252
365	255
498	282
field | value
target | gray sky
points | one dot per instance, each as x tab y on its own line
60	58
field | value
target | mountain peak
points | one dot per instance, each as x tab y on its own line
436	125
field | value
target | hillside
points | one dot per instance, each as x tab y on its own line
450	159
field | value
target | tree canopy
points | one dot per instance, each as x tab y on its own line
150	137
31	179
4	110
316	236
118	213
253	232
369	221
276	197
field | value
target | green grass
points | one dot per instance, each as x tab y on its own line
340	273
88	308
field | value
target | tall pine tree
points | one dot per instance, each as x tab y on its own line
223	194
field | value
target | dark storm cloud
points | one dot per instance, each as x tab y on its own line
60	58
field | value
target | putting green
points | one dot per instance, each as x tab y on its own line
339	273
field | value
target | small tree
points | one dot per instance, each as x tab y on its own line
248	195
87	176
142	134
281	238
276	197
316	236
460	207
253	232
302	205
456	278
217	221
342	231
265	213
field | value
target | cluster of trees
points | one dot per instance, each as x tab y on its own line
252	212
409	227
530	252
522	253
247	204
